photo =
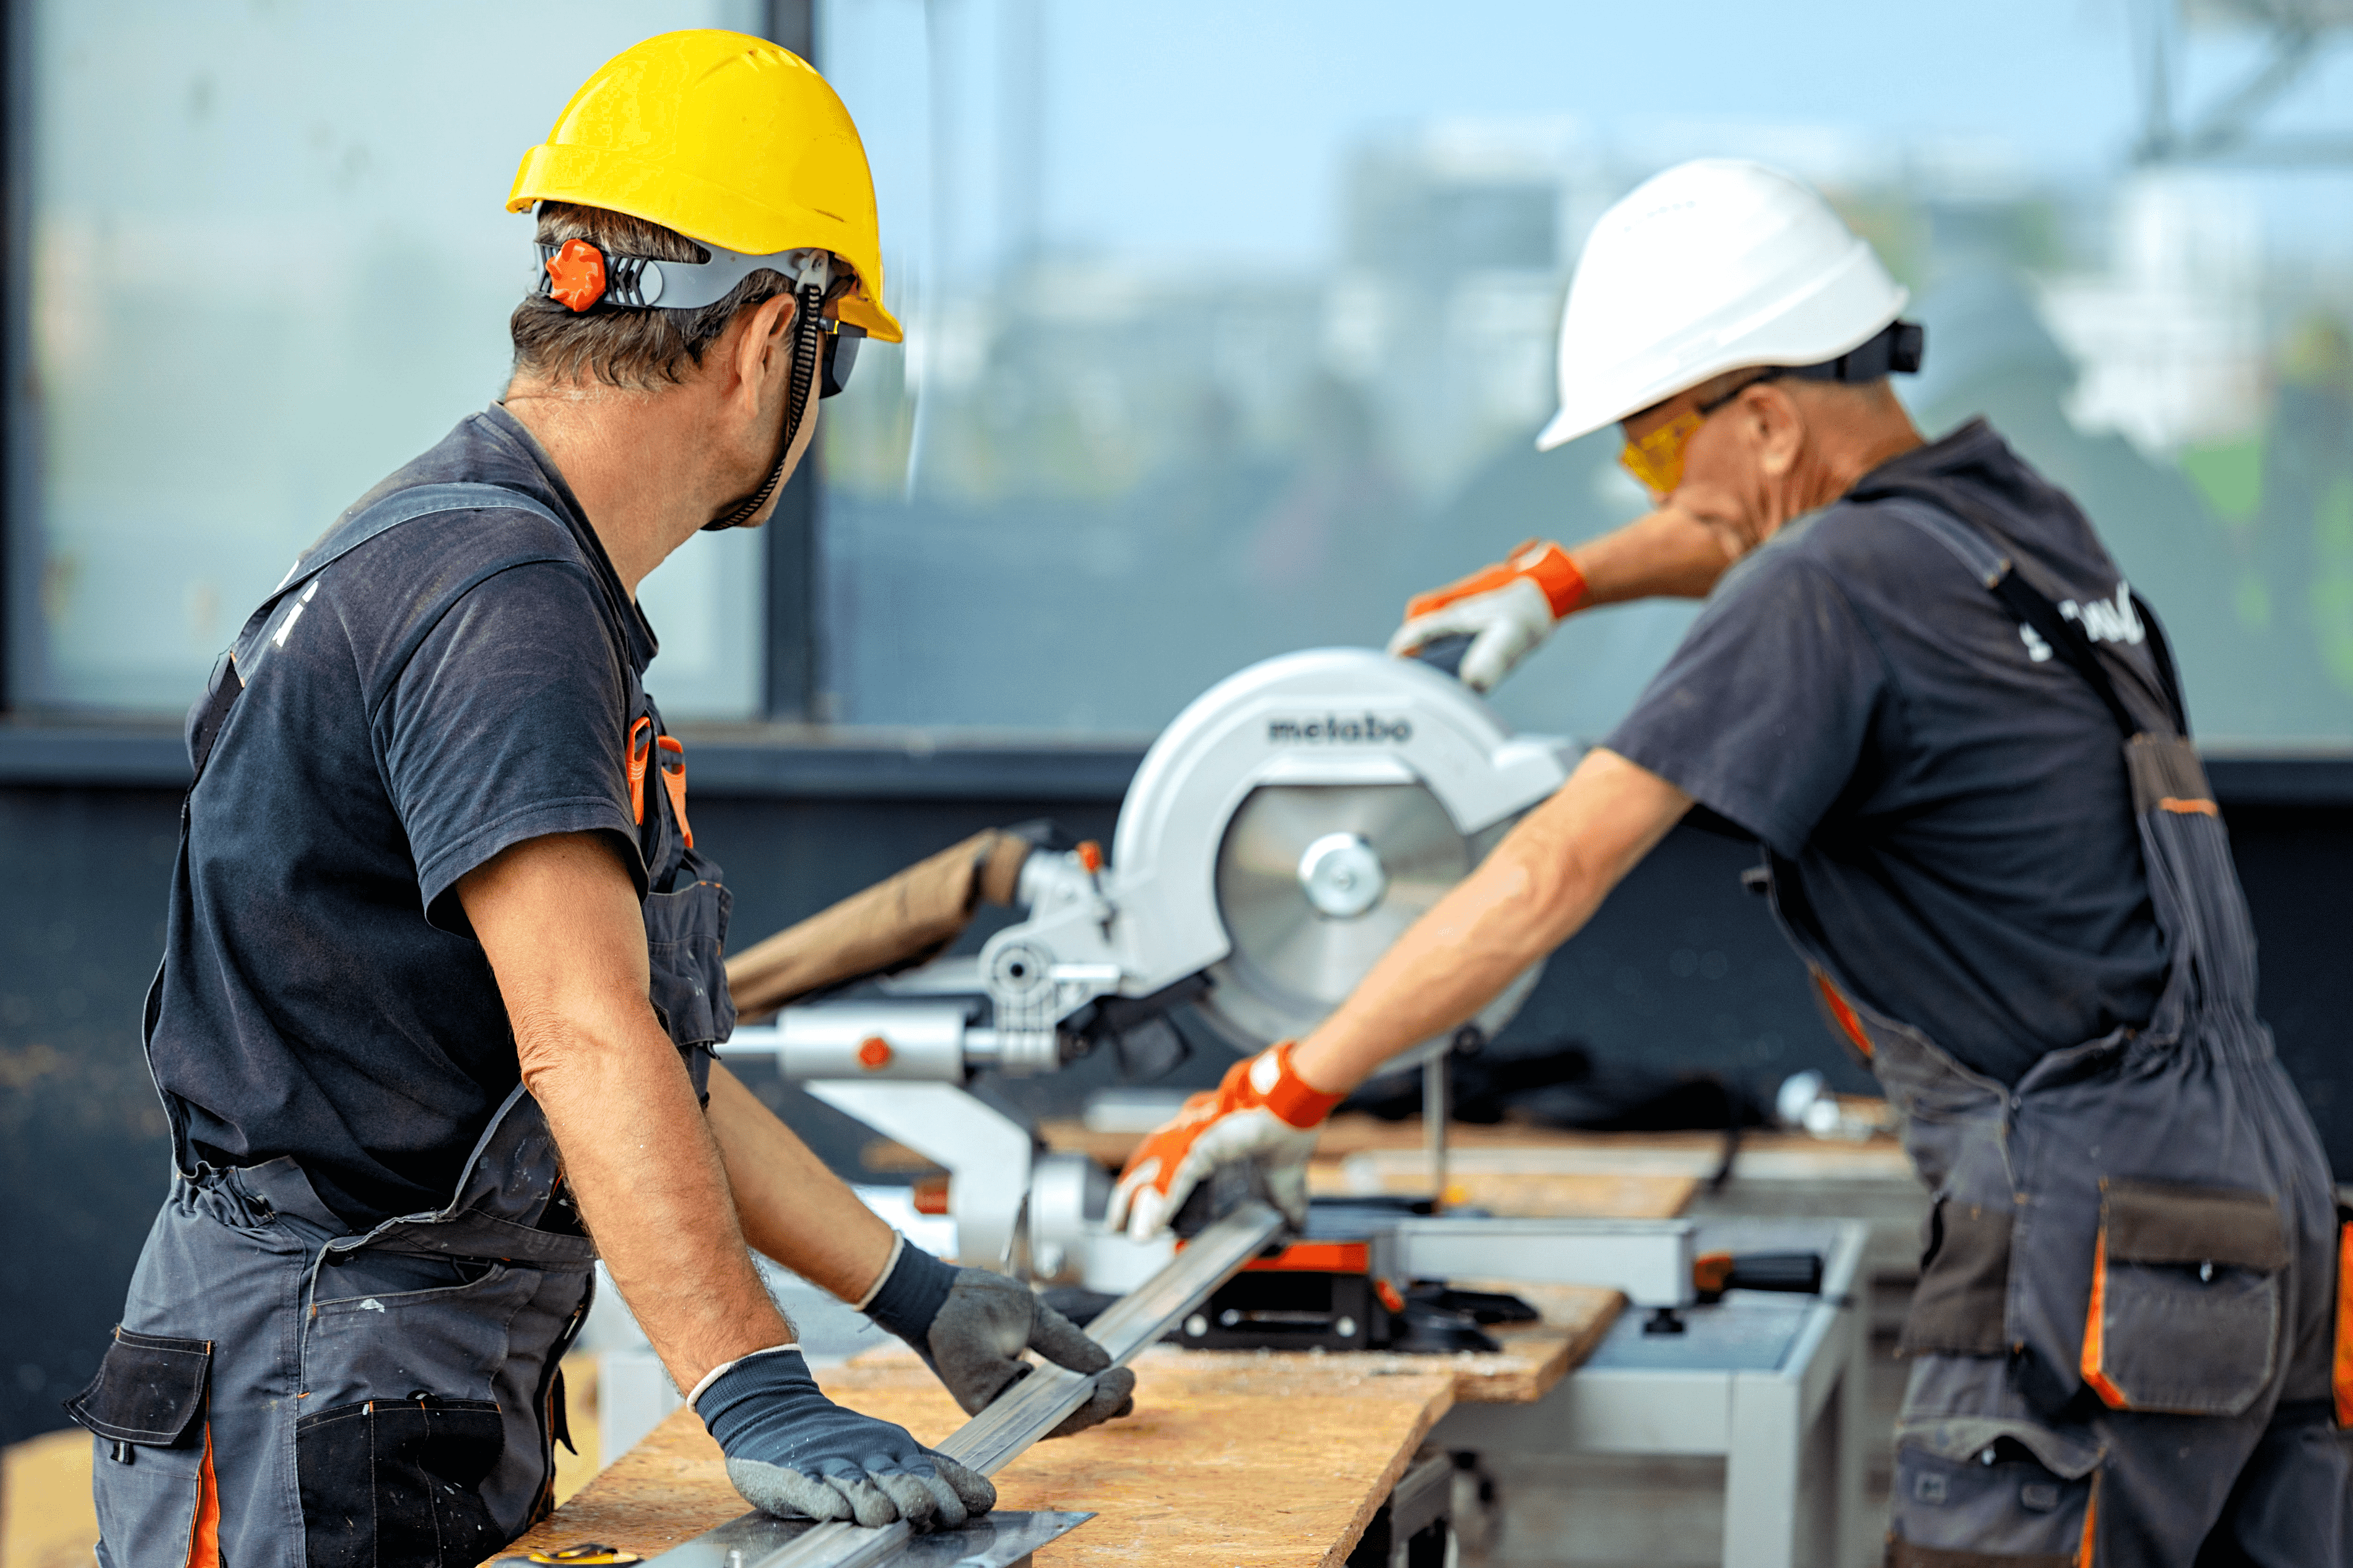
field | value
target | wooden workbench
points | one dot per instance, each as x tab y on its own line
1231	1457
1241	1458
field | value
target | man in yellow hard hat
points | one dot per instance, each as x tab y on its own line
443	969
1958	739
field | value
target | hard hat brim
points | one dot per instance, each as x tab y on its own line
1805	341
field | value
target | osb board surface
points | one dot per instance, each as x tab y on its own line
1762	1155
1227	1461
1343	1135
1517	1194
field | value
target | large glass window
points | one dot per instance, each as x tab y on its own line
1230	323
269	263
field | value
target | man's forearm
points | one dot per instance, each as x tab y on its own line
1668	553
648	1175
791	1207
1532	893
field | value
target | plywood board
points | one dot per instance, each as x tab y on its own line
1499	1146
1518	1194
1228	1460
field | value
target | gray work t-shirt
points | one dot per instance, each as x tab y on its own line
459	684
1948	803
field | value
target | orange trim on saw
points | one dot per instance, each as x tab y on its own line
1315	1258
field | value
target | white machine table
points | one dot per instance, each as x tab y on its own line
1772	1383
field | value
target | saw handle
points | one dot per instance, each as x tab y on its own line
1444	654
1797	1273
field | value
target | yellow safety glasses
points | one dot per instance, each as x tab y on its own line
1657	459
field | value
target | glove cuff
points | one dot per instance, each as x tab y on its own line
733	1392
912	1294
1281	1089
1545	564
1549	568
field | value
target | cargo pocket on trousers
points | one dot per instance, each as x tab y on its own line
156	1499
1958	1308
2185	1304
397	1481
1998	1505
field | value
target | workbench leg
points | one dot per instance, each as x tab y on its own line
1763	1459
1858	1536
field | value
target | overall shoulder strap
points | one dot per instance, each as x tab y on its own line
354	529
1998	574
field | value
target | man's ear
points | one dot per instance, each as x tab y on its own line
761	352
1777	426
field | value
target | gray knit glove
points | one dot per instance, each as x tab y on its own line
970	1326
795	1453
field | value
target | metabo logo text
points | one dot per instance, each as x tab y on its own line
1334	729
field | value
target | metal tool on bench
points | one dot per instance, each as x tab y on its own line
1018	1417
1289	824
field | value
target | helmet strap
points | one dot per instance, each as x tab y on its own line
808	349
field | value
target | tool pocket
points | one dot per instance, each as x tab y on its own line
2185	1307
452	1340
153	1478
389	1481
1996	1500
686	942
1958	1308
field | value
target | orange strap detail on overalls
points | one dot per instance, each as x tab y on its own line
2094	1358
2341	1375
673	778
1844	1011
204	1537
640	747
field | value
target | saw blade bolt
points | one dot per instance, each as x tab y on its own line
1343	875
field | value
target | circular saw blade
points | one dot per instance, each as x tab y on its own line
1291	963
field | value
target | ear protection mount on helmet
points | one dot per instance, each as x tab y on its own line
580	275
1895	349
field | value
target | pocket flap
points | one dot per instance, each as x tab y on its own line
149	1389
2160	1222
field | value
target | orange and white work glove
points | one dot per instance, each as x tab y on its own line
1263	1112
1506	610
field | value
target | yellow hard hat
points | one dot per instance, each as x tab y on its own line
730	140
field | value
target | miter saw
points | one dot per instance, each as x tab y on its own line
1279	836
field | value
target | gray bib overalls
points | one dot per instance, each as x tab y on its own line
280	1392
2122	1334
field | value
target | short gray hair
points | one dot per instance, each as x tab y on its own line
638	350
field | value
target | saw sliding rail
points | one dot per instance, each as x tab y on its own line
1019	1416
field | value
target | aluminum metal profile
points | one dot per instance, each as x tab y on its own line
1035	1405
1016	1419
999	1539
1649	1260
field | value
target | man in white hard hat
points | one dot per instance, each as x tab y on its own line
1958	737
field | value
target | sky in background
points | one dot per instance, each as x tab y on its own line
1222	126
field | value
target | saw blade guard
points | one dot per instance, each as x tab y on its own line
1297	817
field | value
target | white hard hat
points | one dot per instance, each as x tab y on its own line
1711	265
